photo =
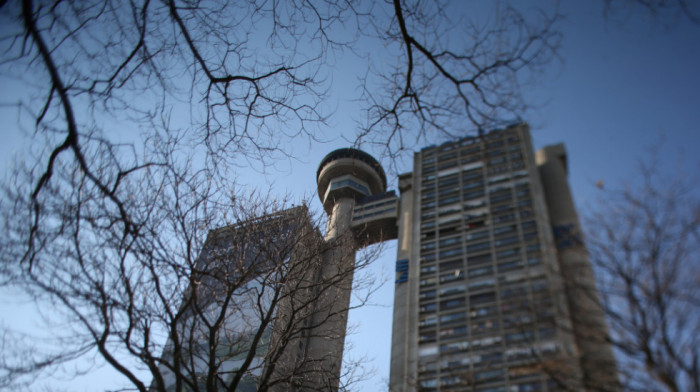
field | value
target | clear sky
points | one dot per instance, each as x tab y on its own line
621	87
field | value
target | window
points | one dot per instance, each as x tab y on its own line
452	290
495	144
546	333
452	303
533	248
480	259
507	253
430	349
503	218
449	241
517	320
427	336
539	285
349	183
472	184
497	198
447	165
495	161
503	229
428	294
487	342
445	157
472	174
448	200
484	297
447	190
453	277
427	245
454	346
520	337
477	235
481	284
454	331
489	375
529	387
510	265
530	236
525	203
450	265
506	241
510	292
428	225
427	206
523	192
528	225
484	326
482	311
473	195
446	182
428	195
479	246
450	252
453	317
429	269
480	271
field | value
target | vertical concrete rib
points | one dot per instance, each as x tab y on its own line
403	367
588	318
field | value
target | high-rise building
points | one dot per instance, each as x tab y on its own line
494	290
250	294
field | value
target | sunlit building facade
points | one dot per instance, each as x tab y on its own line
488	244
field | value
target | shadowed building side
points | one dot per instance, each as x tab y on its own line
588	317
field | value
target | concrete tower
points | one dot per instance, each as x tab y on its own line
352	188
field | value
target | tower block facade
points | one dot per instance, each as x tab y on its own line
494	290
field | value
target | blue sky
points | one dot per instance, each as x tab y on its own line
621	87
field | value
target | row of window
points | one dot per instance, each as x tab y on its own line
455	213
503	235
478	295
495	165
514	339
456	384
504	267
472	150
472	189
505	280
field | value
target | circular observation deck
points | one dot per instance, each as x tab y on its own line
348	172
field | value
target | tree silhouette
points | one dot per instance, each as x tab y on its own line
644	241
104	226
